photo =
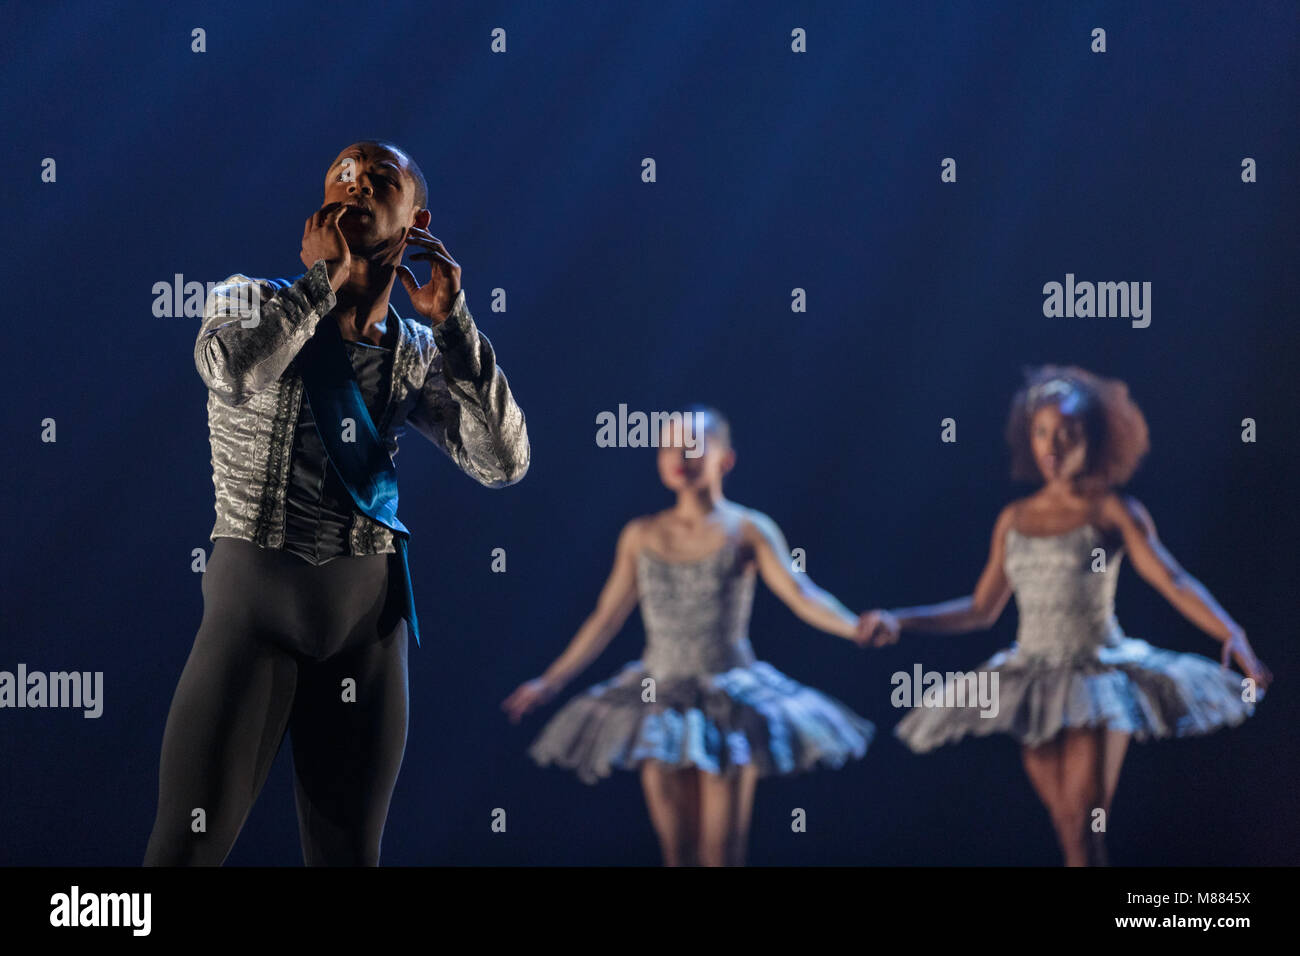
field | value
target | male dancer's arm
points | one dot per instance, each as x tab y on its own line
237	353
465	406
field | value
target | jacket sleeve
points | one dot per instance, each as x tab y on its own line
253	328
465	406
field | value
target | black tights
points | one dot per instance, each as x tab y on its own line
285	645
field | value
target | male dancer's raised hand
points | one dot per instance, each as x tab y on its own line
433	299
322	239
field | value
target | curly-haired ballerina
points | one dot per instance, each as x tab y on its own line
699	716
1074	688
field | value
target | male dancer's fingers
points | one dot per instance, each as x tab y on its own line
334	221
426	235
431	257
437	250
322	214
408	280
422	238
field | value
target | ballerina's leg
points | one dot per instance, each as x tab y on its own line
1113	745
1043	767
1116	744
673	799
1084	793
726	808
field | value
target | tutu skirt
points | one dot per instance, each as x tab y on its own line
1127	686
715	722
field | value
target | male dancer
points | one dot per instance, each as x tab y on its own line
307	603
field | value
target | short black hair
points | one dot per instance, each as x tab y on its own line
715	423
412	167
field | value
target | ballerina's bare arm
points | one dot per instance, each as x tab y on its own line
1188	596
617	599
976	611
810	603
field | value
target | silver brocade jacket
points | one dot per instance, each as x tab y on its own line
445	384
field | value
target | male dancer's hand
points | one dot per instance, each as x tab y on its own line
322	239
433	299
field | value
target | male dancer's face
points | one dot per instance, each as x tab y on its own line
375	185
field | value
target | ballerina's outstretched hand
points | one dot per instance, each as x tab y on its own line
877	628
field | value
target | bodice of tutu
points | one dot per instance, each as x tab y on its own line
696	613
1066	608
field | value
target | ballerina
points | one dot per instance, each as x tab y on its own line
699	716
1074	688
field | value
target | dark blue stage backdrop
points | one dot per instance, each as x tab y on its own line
775	171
